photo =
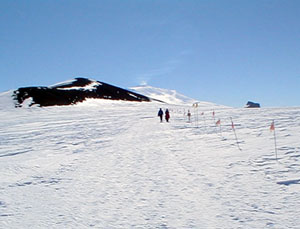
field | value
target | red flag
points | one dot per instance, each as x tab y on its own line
272	127
232	125
218	122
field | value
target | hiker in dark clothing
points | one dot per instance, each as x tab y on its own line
160	114
167	116
189	115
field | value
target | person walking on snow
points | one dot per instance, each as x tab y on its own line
167	115
189	115
160	114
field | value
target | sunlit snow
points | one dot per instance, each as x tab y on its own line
171	96
91	86
111	164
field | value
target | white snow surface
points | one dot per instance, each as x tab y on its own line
6	100
111	164
64	83
89	87
171	96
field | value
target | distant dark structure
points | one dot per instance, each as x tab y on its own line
73	92
252	105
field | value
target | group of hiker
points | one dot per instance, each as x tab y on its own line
161	114
167	115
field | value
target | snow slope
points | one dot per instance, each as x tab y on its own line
6	100
112	164
66	85
171	96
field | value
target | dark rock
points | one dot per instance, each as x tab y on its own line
74	92
252	105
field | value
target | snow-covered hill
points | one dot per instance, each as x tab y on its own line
165	95
79	89
73	91
112	164
171	96
6	100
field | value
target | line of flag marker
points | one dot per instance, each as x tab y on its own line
218	123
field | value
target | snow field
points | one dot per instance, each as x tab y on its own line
107	164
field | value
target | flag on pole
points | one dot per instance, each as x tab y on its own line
218	123
237	142
272	127
232	125
214	120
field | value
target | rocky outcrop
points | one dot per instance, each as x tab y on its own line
252	105
73	92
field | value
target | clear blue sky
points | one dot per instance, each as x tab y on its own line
222	51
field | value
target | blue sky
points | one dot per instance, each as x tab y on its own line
227	52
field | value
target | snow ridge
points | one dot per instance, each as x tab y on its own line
172	97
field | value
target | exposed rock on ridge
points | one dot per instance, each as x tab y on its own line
73	92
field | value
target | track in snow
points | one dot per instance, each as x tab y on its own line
113	165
